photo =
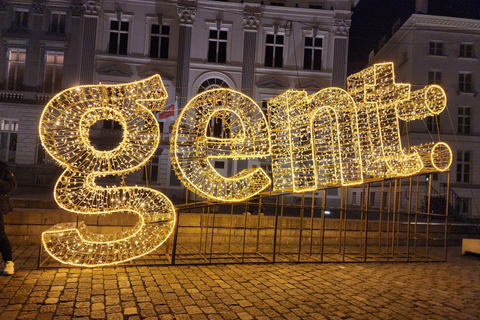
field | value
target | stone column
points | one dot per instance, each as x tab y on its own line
250	24
341	29
90	21
186	15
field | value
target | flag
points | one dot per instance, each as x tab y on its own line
166	112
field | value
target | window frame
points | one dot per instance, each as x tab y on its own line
6	154
109	17
54	64
462	175
433	77
217	41
464	52
463	127
24	21
438	48
274	45
312	54
15	63
59	25
463	84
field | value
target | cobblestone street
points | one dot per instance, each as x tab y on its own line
436	290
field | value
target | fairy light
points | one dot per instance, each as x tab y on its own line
64	132
338	138
245	135
381	103
331	138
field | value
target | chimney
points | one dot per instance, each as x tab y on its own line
421	6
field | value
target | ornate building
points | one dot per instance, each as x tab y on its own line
258	47
442	50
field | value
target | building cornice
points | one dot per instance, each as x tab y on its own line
442	21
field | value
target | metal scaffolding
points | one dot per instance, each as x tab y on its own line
399	219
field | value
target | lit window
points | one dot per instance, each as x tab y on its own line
274	50
434	77
118	41
159	41
465	83
57	22
466	50
464	120
463	166
53	72
8	139
217	46
312	57
15	68
20	19
435	48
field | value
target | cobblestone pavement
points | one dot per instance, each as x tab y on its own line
439	290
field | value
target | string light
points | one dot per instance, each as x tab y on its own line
339	138
245	134
331	138
64	132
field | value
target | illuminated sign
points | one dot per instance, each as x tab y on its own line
64	131
331	138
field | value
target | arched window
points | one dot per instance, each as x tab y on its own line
212	83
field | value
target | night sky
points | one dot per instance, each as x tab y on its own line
372	19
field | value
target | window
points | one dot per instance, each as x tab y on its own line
315	6
53	72
16	68
118	41
274	50
463	166
8	139
433	123
465	83
312	57
371	202
434	77
159	41
466	50
354	198
20	19
217	46
385	200
463	205
277	3
57	22
150	171
464	120
435	48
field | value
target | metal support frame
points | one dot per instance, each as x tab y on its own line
398	228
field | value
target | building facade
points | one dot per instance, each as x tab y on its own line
260	48
444	50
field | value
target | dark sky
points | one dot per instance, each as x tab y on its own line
372	19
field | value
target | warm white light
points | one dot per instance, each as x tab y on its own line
64	131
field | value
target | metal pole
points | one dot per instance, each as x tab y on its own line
409	213
301	226
311	222
275	230
366	223
428	213
258	222
244	231
447	193
324	202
